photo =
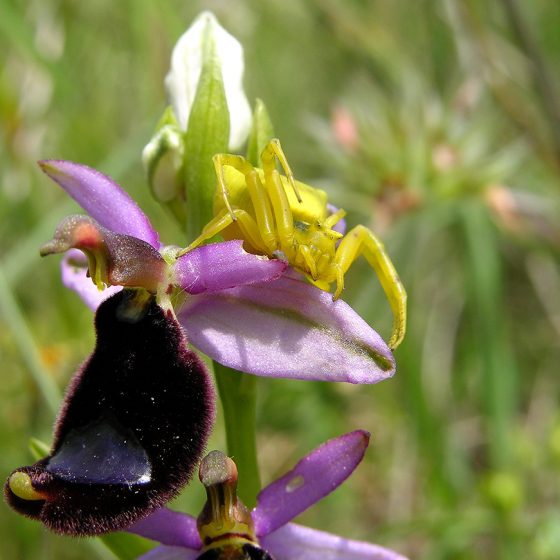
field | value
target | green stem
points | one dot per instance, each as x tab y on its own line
499	383
238	393
27	346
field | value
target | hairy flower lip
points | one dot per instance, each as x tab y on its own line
125	441
314	477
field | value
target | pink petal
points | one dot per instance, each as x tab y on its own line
294	542
170	528
170	553
315	476
286	328
102	198
219	266
74	276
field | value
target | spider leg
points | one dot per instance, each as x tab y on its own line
321	284
274	149
360	240
333	219
219	161
257	193
305	252
263	211
279	200
245	222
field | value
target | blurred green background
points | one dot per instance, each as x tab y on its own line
435	123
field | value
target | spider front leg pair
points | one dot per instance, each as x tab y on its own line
254	201
275	214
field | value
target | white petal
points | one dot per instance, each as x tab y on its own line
186	63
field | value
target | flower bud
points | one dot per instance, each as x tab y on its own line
163	161
190	55
210	114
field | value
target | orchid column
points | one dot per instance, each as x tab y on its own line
209	114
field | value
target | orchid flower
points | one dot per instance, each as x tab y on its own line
226	526
245	311
131	430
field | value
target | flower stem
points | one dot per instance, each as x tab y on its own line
499	381
238	394
26	344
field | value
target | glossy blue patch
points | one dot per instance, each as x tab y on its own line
102	452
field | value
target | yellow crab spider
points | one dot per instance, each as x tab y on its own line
280	217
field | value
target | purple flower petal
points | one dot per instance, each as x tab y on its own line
170	553
286	328
315	476
294	542
220	266
170	528
74	276
102	199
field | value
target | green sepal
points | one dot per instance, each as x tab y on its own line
163	159
262	131
207	135
168	117
126	546
238	395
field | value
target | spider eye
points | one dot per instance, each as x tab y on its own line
131	429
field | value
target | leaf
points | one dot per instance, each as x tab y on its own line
207	134
262	132
126	546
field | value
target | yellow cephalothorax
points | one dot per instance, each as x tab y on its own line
278	216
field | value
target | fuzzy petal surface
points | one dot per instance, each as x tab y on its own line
73	269
126	441
102	198
295	542
171	528
286	328
315	476
220	266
